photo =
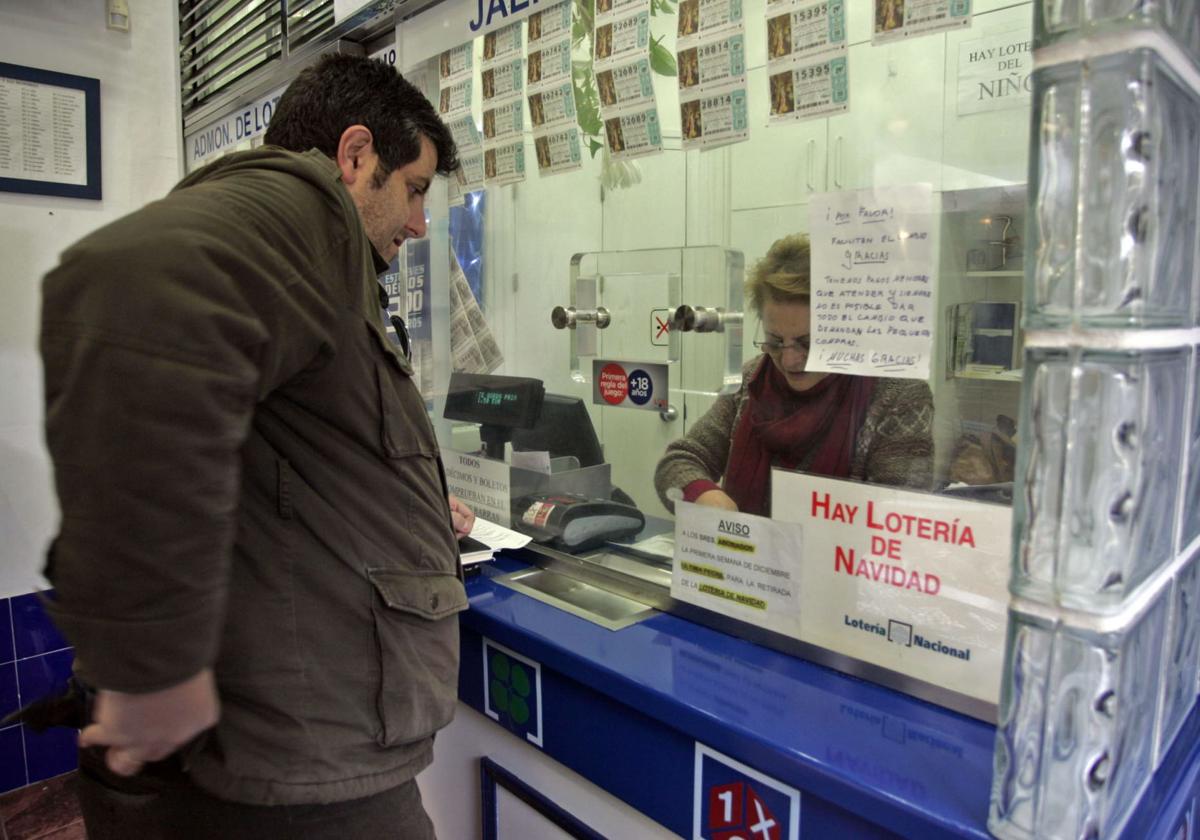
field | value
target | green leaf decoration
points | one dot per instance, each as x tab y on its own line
500	666
594	146
583	20
661	59
519	681
499	692
519	710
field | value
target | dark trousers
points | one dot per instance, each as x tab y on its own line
162	804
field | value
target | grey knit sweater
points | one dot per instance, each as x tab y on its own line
894	445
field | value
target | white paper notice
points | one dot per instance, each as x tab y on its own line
995	72
873	281
482	483
740	565
910	581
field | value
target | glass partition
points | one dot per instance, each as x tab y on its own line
940	106
772	253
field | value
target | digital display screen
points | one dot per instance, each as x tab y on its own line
512	402
496	398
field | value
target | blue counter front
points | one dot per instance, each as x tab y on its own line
715	737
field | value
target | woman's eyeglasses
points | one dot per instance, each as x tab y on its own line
776	347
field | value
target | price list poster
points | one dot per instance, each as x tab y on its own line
49	133
621	60
455	81
502	81
807	64
711	59
556	140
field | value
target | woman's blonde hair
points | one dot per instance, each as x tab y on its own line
783	274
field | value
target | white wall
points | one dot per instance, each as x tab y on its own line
140	152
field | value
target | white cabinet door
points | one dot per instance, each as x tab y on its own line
778	164
892	133
649	214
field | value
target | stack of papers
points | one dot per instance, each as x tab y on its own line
485	539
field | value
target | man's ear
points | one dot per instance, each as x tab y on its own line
356	153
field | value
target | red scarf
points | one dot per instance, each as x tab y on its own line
817	427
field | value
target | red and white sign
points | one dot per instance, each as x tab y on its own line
914	582
613	383
736	802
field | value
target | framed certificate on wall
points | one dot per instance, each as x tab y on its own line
49	133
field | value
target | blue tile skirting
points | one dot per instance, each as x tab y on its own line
34	661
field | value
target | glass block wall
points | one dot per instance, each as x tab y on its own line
1104	632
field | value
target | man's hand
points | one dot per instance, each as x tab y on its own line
717	499
138	728
462	516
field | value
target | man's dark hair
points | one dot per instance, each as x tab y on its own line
344	90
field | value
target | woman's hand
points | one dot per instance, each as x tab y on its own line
717	499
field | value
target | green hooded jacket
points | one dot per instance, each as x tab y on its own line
249	482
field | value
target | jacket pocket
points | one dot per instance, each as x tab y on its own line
416	634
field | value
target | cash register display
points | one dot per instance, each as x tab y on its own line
498	404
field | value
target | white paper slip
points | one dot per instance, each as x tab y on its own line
496	536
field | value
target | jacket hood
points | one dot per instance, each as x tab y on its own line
312	166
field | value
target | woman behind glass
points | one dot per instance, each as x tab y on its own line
866	428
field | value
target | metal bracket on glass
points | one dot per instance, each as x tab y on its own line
703	319
568	317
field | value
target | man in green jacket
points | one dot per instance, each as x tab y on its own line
257	561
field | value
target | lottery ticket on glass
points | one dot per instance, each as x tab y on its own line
558	151
470	172
805	29
504	81
712	63
607	10
463	130
550	64
633	134
898	19
454	100
714	119
502	122
621	39
704	18
552	106
550	24
504	164
503	44
806	89
625	85
455	64
455	197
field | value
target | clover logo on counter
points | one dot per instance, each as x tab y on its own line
512	691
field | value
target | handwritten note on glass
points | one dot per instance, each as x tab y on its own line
873	281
